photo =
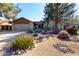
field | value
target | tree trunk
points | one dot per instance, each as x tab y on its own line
56	26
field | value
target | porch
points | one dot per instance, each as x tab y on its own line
5	26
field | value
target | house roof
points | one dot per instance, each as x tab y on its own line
3	21
6	23
38	22
22	21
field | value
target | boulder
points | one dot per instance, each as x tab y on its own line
64	35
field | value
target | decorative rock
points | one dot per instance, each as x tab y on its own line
64	35
72	39
13	53
19	52
77	38
22	51
39	39
63	48
47	36
35	34
44	33
78	33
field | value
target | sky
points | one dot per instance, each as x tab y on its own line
31	11
77	9
35	11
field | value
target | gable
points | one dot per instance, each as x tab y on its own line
22	21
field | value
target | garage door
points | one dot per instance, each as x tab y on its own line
21	26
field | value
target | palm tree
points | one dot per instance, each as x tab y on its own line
8	10
58	12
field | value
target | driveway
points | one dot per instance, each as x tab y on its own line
6	37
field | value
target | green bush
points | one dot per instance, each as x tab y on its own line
30	31
23	42
72	31
38	30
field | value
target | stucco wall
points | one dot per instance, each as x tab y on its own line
52	25
31	25
22	26
0	27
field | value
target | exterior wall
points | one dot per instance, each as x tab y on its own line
0	27
22	26
61	26
31	25
52	25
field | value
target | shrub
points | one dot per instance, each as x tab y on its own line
64	35
72	31
38	30
23	42
56	32
35	34
30	31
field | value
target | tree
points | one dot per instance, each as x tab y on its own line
9	10
74	21
58	12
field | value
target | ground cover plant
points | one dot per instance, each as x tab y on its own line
72	31
23	42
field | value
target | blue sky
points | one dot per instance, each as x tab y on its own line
77	9
32	11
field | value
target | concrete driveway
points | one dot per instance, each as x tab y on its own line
6	37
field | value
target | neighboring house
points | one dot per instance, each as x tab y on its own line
5	25
22	24
39	24
61	25
77	26
18	24
73	24
52	25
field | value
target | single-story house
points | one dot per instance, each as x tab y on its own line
5	25
18	24
51	25
39	24
61	25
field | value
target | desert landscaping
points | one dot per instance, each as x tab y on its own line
44	45
47	29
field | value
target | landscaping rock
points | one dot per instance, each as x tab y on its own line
47	36
77	39
13	53
44	33
78	33
63	48
39	39
64	35
35	34
19	52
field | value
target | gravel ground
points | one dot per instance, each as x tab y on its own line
46	48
